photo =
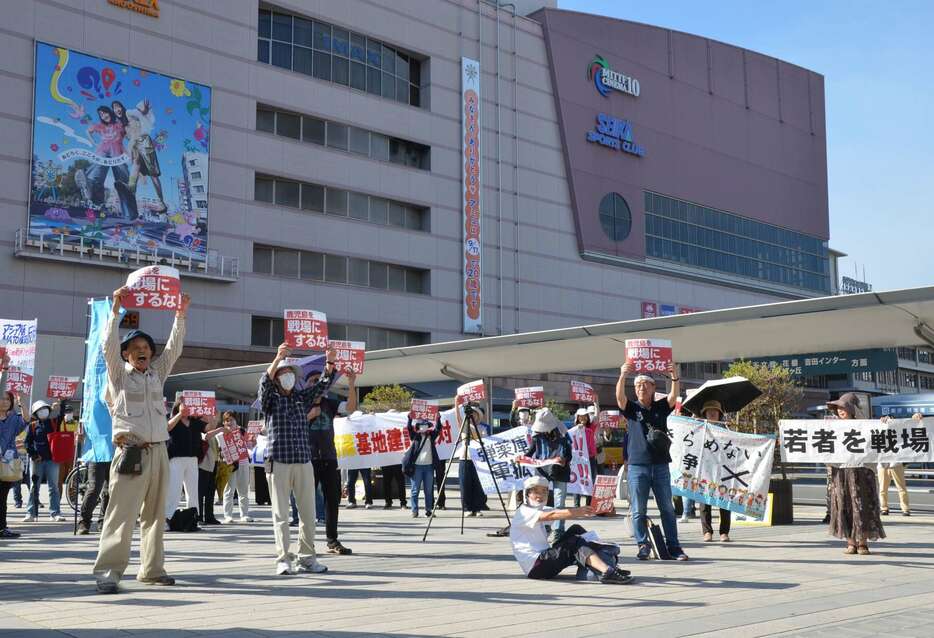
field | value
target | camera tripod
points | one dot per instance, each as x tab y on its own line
468	433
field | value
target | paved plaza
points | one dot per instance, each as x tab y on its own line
785	581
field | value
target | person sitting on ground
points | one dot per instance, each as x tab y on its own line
541	560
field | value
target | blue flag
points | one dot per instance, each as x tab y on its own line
95	416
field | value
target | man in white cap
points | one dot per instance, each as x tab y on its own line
288	457
542	560
550	442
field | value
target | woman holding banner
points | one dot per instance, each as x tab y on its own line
712	412
854	497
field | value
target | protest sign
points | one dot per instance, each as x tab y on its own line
2	352
473	392
306	329
200	402
581	480
349	356
19	338
648	355
526	460
533	397
422	410
725	469
233	447
608	419
258	453
62	387
582	392
503	451
604	494
377	440
154	287
255	427
855	442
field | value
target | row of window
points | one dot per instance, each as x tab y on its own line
269	332
337	55
338	269
340	202
734	264
717	240
734	224
343	137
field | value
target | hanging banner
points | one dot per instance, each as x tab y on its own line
857	441
422	410
62	387
19	339
349	355
533	397
306	330
154	287
472	190
95	415
725	469
648	355
582	392
201	403
608	419
381	439
473	392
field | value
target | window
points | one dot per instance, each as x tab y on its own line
285	263
313	197
262	189
261	331
313	130
201	203
335	269
337	136
336	201
312	266
358	272
289	125
265	120
359	206
199	189
615	217
196	175
287	193
334	54
262	259
359	141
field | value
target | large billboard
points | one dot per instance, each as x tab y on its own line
472	191
119	155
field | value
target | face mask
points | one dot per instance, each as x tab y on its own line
69	418
43	414
287	381
524	418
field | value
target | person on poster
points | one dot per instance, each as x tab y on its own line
145	161
110	130
139	473
540	559
646	449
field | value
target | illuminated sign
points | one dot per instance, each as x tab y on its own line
615	133
146	7
853	286
604	78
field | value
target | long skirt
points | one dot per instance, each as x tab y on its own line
854	504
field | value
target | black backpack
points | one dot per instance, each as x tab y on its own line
184	520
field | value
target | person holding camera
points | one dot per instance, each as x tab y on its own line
473	498
646	450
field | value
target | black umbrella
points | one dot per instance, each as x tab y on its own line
733	394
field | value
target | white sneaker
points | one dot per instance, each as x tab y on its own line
311	567
29	518
58	518
246	519
228	520
367	506
683	519
284	568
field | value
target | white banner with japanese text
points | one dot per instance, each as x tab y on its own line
379	440
857	441
722	468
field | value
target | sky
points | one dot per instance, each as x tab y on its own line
876	59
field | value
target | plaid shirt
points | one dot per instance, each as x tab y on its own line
287	419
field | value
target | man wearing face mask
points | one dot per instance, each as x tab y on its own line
288	457
139	473
543	560
44	469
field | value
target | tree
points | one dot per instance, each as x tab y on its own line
558	409
387	397
781	394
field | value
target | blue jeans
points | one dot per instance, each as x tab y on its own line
687	506
658	478
45	471
560	495
424	477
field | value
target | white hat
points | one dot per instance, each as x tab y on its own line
285	364
545	421
38	405
581	412
534	481
592	410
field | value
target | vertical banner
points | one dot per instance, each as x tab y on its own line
95	417
472	187
19	339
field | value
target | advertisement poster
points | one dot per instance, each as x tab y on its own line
472	188
119	155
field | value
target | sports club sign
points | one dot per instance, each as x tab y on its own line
472	190
605	79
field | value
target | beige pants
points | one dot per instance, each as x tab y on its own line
298	478
886	476
142	495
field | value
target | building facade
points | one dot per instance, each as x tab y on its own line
625	170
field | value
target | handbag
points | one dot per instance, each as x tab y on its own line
131	461
11	472
658	440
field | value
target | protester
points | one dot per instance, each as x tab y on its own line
586	418
646	447
543	560
393	477
321	414
140	471
366	474
854	497
713	413
207	466
288	459
473	498
889	472
550	442
98	473
68	425
39	449
184	444
11	426
423	435
238	481
440	500
27	470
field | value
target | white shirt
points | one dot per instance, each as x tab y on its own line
424	455
528	536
